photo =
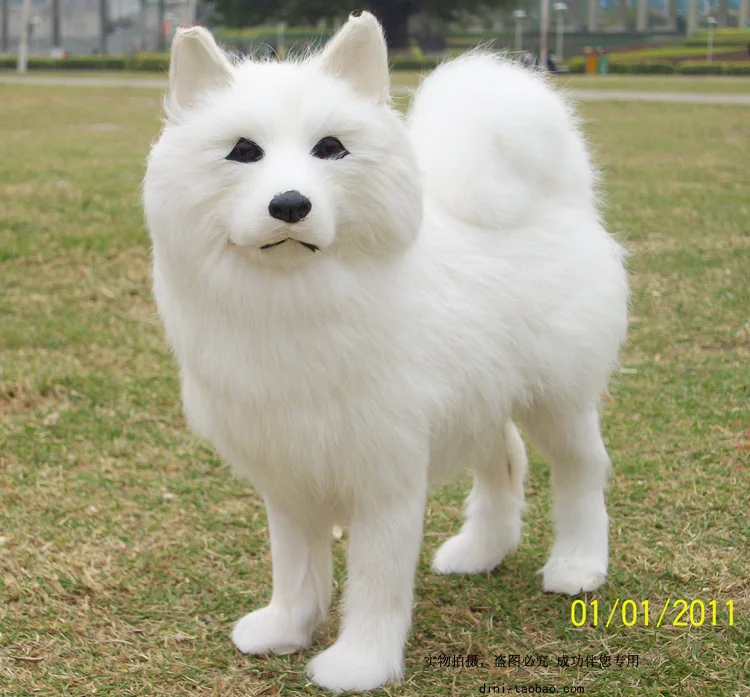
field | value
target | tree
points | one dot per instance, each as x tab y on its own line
393	14
242	13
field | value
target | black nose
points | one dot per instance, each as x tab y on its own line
291	206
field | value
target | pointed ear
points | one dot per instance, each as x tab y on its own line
196	65
358	54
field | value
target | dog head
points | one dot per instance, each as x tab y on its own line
280	163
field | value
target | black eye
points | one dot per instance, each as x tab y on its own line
329	148
246	151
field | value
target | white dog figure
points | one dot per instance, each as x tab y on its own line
360	306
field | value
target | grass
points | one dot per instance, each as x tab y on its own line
658	83
638	83
127	549
671	52
727	36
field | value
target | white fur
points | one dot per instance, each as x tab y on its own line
463	280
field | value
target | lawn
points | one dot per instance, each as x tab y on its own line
638	83
658	83
675	53
127	549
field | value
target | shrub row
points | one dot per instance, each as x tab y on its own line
664	53
268	34
156	62
701	68
576	65
406	63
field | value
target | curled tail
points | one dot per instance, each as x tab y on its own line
494	140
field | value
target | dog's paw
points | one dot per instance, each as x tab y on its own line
269	631
467	554
343	667
571	576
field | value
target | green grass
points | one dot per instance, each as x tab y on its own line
670	52
658	83
648	83
127	549
729	36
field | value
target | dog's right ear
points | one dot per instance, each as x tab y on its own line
358	55
196	64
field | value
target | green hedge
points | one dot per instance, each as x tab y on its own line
646	68
268	34
254	39
152	62
702	68
736	68
72	63
695	68
156	62
576	65
398	63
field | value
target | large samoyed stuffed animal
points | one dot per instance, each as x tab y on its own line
360	305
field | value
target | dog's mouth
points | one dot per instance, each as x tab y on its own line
313	248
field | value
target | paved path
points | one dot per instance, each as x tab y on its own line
582	95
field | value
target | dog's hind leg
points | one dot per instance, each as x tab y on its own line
493	509
302	579
571	441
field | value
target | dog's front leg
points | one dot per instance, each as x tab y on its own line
301	555
384	541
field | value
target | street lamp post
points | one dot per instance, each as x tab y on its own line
710	52
519	16
543	32
23	39
560	9
161	40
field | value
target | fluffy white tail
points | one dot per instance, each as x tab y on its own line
495	140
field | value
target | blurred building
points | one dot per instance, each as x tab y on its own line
133	24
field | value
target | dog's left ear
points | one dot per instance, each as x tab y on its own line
358	54
196	64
